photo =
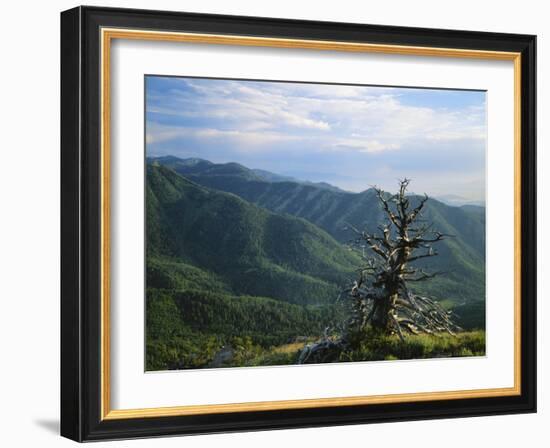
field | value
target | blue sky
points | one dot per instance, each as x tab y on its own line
350	136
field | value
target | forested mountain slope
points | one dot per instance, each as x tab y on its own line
461	257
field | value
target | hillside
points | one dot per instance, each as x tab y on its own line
188	328
222	272
237	246
462	257
241	272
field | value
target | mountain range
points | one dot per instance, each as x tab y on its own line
233	251
247	248
461	257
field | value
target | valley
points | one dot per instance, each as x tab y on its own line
248	263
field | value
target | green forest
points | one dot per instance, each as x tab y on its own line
245	268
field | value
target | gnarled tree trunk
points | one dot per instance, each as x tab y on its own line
381	296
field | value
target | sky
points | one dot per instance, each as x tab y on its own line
350	136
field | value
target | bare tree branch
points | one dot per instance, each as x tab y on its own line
380	296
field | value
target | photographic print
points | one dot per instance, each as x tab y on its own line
252	201
302	223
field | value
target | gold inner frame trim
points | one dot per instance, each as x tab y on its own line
107	35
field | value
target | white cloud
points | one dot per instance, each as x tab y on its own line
160	133
364	145
364	119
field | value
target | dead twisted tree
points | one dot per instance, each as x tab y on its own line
381	295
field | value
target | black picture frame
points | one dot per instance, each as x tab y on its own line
81	224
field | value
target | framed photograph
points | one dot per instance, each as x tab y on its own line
273	223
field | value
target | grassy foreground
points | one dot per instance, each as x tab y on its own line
375	348
444	345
